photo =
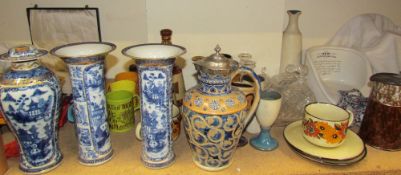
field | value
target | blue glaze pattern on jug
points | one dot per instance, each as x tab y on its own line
30	97
214	138
155	65
87	81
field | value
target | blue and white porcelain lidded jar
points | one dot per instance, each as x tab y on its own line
30	102
85	62
155	65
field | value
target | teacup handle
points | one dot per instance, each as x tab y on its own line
138	131
351	118
256	81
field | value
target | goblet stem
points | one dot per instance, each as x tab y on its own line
264	141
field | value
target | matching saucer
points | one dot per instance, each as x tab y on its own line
351	151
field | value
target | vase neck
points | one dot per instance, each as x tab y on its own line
214	89
24	66
293	20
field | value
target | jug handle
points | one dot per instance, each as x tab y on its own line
256	81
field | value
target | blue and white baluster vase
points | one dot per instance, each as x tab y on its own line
85	62
30	102
155	64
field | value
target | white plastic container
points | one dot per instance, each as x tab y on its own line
336	68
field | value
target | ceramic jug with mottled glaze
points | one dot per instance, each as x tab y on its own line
381	124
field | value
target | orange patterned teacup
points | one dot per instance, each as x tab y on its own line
326	124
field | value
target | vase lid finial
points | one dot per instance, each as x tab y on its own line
216	61
23	53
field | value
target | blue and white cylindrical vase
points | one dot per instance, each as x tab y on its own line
85	62
30	97
155	64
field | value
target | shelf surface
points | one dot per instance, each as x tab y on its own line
247	160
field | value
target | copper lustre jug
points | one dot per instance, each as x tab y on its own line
381	125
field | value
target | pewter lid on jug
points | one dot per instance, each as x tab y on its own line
23	53
215	62
387	78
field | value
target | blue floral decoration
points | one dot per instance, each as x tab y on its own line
187	97
214	105
198	101
241	98
230	102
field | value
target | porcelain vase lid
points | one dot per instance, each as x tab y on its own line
23	53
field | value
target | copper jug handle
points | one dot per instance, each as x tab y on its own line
252	74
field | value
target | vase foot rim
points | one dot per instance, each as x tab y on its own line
159	165
98	161
44	170
243	141
211	168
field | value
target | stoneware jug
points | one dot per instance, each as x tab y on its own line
30	102
215	113
381	124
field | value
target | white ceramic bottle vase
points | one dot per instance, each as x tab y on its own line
291	50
